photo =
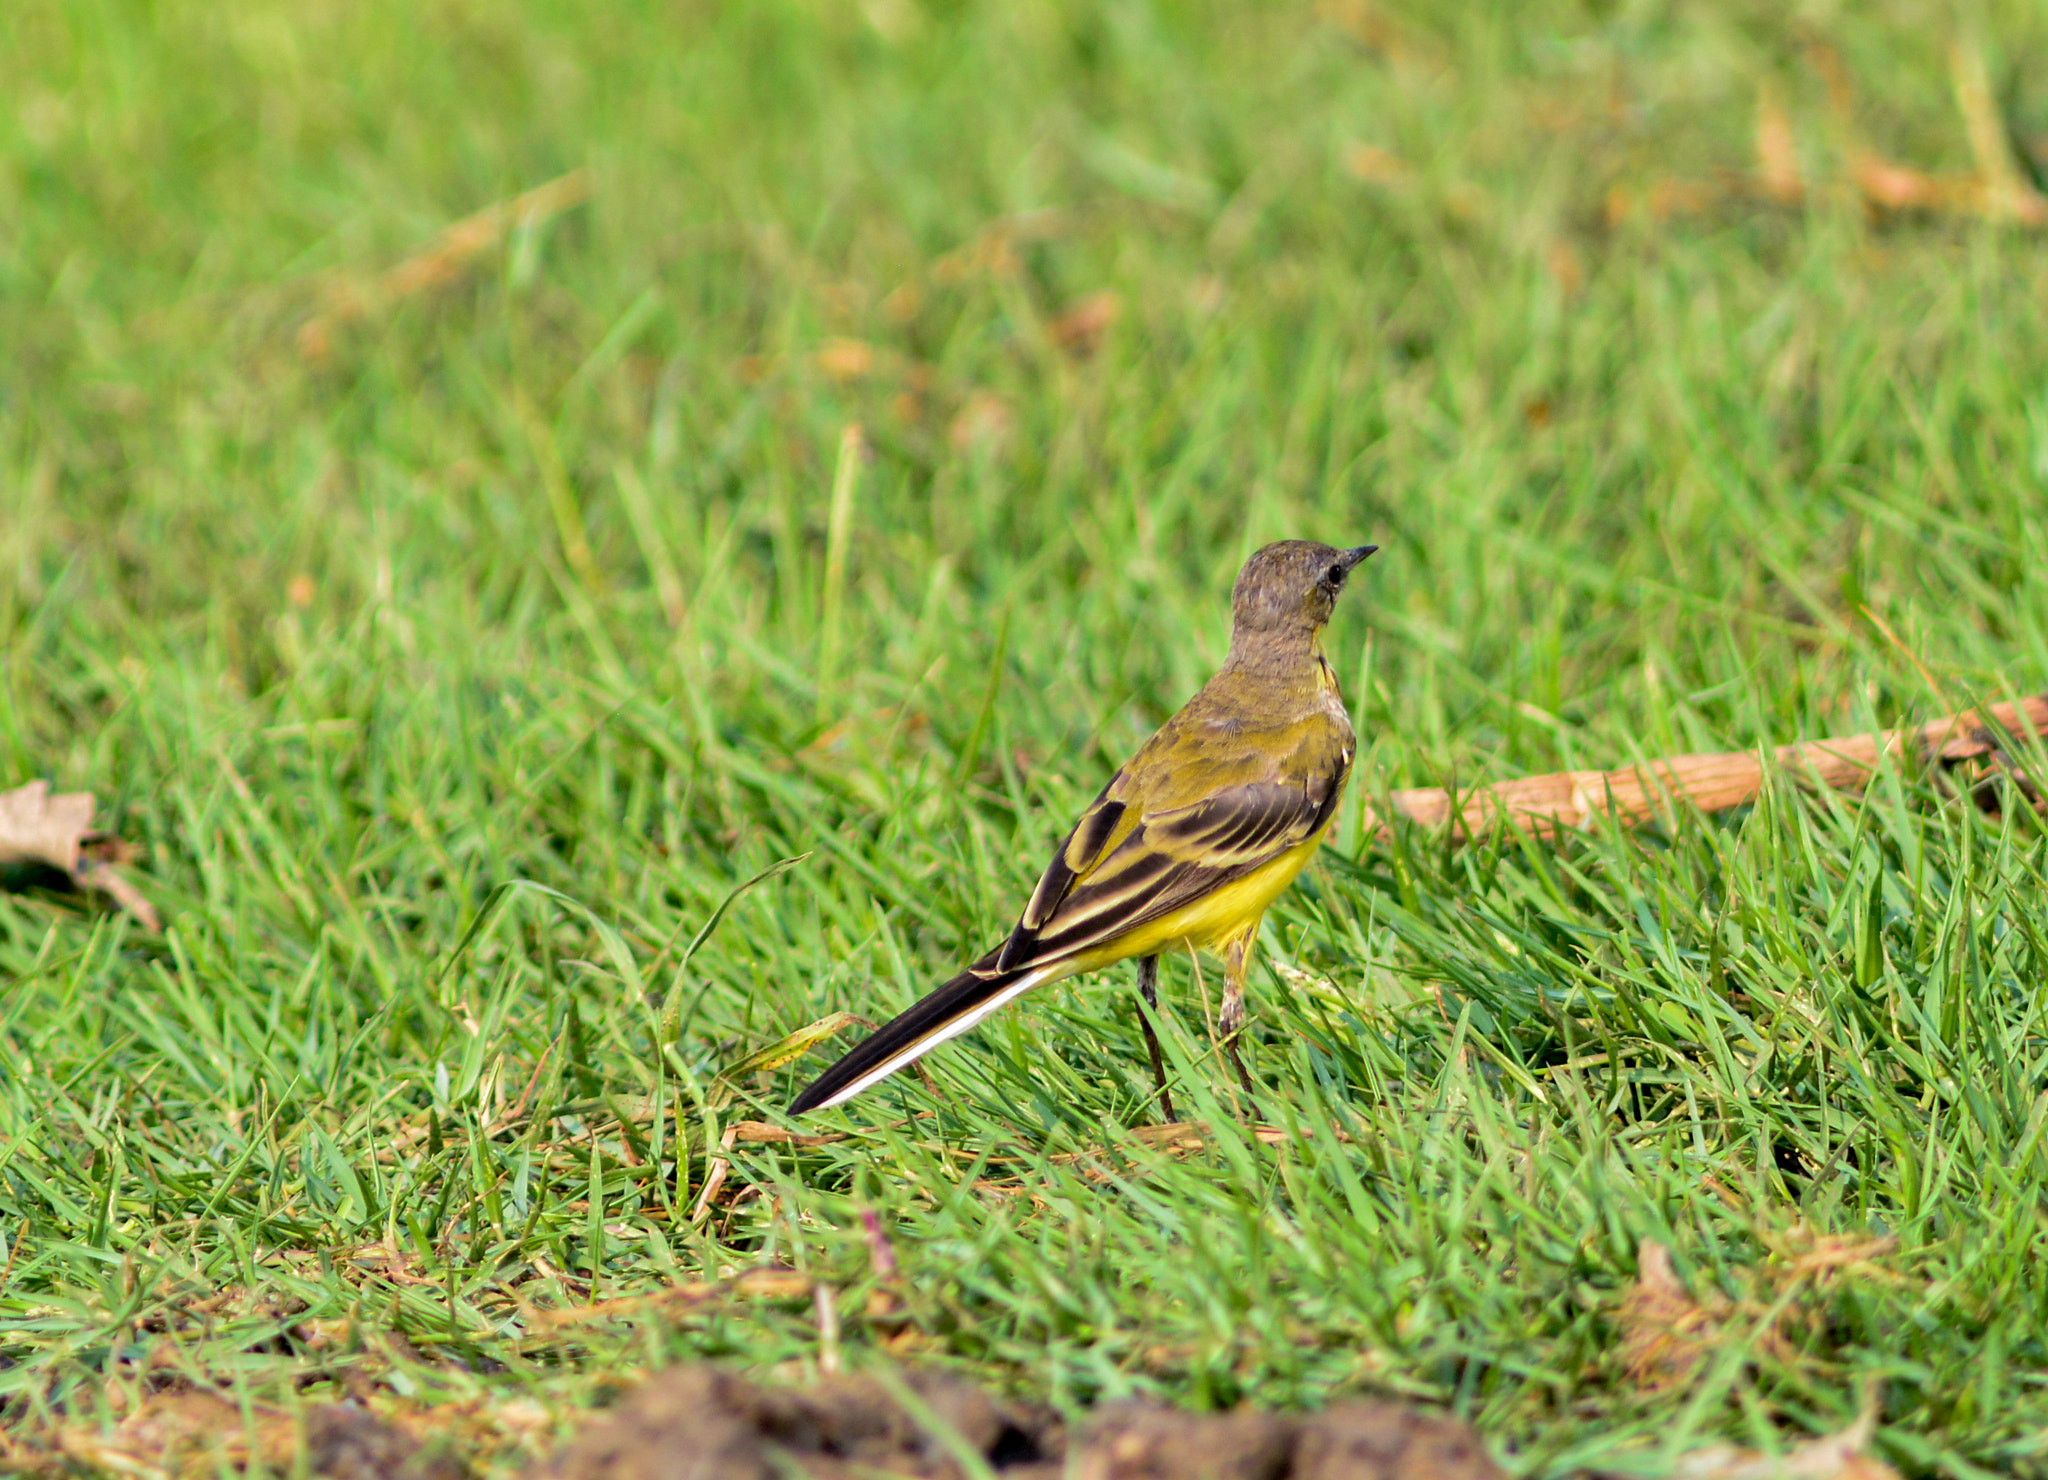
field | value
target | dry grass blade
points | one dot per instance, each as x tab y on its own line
1777	156
760	1133
348	300
2007	194
788	1048
1997	191
714	1175
755	1284
1565	800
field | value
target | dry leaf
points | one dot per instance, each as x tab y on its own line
983	422
845	359
903	303
993	253
1381	33
1374	165
1843	1456
1674	197
36	827
1665	1333
760	1133
57	832
1080	328
1898	187
1561	259
1668	1335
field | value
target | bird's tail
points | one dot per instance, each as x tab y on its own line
944	1013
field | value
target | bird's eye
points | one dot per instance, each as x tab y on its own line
1336	575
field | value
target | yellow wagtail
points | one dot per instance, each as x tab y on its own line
1190	841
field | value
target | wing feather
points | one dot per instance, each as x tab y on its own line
1176	857
1081	851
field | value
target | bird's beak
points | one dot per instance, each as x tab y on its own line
1353	557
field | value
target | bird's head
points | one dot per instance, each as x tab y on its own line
1286	592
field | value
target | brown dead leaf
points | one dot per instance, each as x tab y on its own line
903	303
36	827
1674	197
1898	187
1665	1333
57	832
181	1434
1375	166
993	251
1842	1456
1375	28
1080	327
845	359
714	1175
1662	199
984	421
1192	1135
1561	260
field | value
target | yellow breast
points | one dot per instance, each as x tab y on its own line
1212	919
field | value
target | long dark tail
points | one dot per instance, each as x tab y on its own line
944	1013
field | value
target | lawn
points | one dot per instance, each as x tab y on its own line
460	624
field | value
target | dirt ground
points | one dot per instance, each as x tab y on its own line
699	1423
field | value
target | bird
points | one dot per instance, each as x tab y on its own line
1189	842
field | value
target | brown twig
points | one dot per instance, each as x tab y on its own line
1547	805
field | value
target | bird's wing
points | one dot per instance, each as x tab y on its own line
1085	848
1118	871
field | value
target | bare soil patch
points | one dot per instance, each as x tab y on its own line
698	1423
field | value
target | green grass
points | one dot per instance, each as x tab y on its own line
566	532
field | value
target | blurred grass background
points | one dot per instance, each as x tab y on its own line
354	605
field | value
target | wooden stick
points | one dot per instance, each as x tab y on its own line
1547	805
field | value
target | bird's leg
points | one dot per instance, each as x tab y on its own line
1148	985
1237	955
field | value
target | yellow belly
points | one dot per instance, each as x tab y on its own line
1211	920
